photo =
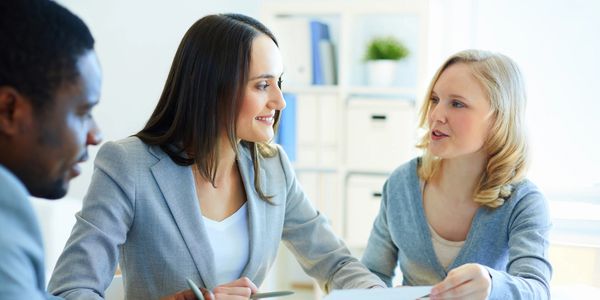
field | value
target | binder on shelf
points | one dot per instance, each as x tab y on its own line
286	135
323	66
328	65
293	35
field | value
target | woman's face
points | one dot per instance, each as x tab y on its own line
459	115
262	95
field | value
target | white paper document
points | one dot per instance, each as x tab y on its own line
400	293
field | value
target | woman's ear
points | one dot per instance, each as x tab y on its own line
15	111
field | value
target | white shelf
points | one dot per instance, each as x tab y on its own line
323	110
311	89
374	91
332	117
355	7
382	91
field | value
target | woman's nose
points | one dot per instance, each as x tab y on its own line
437	113
278	101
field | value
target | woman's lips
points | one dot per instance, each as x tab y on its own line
268	120
437	135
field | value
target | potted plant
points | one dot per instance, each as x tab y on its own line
383	55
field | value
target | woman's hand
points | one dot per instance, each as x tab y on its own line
240	289
469	281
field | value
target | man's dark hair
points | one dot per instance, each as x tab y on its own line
40	43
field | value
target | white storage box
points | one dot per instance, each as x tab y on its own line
380	134
364	199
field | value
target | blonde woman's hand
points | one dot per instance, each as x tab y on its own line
469	281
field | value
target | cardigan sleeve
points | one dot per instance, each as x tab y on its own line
528	270
309	236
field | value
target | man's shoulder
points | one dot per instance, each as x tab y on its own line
16	211
21	246
13	190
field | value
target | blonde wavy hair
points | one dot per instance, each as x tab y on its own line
506	144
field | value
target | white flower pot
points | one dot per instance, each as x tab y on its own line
382	72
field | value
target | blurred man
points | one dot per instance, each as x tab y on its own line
49	82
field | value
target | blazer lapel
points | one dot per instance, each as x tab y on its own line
256	213
178	188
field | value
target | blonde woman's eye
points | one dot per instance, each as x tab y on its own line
457	104
434	100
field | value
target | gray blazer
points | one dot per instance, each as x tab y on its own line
141	210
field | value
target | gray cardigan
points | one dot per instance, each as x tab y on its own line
141	209
512	240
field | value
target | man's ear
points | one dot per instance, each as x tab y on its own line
15	111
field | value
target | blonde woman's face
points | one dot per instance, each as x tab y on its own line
262	95
459	115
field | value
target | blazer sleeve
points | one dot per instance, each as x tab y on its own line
528	270
311	239
87	265
381	255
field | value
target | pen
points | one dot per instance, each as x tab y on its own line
195	289
271	294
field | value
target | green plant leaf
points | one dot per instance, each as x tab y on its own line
386	48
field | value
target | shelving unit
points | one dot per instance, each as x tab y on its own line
350	135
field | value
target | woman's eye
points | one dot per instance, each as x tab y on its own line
263	86
279	82
434	100
457	104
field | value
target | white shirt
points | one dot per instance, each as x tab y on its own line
445	250
230	244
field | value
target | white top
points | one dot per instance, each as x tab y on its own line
230	244
445	250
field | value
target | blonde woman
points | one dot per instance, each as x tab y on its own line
463	217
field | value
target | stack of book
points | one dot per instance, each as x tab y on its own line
286	135
308	51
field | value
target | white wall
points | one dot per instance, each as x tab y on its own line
557	46
136	41
553	41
